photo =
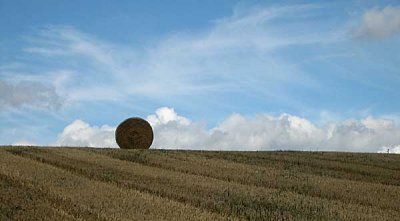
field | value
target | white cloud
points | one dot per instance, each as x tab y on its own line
378	124
379	23
390	149
23	143
80	133
165	115
264	132
28	93
260	132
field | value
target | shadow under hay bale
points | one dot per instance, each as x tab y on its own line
134	133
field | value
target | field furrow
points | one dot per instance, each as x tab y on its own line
369	194
94	200
19	202
383	161
300	164
215	195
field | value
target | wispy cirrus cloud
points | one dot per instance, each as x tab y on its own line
237	54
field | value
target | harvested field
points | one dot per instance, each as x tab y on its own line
115	184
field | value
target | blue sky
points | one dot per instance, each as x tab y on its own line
95	63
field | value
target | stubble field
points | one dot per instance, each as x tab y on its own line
113	184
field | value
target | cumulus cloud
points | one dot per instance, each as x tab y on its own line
28	93
260	132
165	115
379	23
80	133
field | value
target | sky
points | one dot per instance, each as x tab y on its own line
211	75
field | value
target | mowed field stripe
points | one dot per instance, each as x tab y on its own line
102	200
19	202
312	166
243	201
377	162
347	191
383	161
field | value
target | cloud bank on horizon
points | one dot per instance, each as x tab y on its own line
313	76
257	133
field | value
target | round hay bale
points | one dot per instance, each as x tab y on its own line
134	133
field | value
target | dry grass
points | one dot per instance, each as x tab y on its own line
88	199
86	183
